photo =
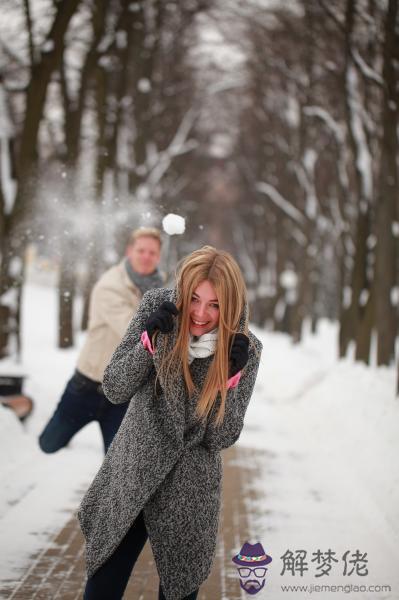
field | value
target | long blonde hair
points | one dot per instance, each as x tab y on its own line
222	271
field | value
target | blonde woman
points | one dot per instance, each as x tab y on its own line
188	365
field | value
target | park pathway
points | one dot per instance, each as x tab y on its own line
57	572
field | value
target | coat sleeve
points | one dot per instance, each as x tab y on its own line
131	363
237	400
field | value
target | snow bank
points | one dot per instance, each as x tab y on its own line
324	475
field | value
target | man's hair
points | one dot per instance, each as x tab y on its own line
152	232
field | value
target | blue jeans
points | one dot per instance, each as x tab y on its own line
83	401
110	580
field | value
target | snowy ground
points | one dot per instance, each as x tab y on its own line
39	491
328	480
329	430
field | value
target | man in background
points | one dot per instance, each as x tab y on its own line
114	300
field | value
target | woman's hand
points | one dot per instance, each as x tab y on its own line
162	319
239	353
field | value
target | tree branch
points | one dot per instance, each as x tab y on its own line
275	196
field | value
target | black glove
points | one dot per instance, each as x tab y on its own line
238	353
161	319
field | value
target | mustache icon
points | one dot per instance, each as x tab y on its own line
252	586
252	583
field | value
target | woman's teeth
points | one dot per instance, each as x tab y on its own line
198	323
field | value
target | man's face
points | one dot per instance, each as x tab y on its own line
252	580
144	255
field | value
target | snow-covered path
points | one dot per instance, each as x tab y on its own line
326	476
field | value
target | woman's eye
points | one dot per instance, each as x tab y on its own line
215	306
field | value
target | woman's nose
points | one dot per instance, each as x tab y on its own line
201	310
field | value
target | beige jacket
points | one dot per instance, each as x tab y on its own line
113	302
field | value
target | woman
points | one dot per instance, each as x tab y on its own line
188	363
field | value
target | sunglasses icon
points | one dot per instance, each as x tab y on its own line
257	571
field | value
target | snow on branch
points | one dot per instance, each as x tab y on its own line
299	237
365	69
7	129
363	158
335	210
305	176
336	128
7	132
246	255
178	145
279	201
224	85
339	133
334	15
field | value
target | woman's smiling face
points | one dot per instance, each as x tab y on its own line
204	309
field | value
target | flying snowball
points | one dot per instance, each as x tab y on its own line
173	224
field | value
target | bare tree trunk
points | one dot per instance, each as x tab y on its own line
385	275
363	339
361	306
95	249
144	57
279	304
346	329
73	120
66	293
352	316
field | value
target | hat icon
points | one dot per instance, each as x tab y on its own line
252	555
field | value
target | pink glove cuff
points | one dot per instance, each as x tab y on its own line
233	381
145	340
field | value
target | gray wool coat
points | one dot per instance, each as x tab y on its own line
163	460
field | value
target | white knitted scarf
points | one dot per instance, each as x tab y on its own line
203	345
